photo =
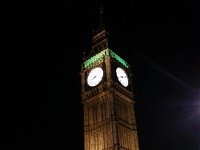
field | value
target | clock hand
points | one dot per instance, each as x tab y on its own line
94	77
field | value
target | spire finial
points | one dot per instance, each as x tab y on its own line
101	25
101	10
100	39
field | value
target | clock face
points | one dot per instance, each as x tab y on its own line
95	76
122	76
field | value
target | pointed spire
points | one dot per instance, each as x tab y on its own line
101	10
101	25
100	36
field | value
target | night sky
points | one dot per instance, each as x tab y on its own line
41	106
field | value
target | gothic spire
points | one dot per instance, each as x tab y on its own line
101	25
100	36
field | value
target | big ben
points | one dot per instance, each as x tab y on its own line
107	97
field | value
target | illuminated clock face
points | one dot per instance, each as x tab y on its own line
122	76
95	76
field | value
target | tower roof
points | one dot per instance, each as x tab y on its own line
101	25
100	36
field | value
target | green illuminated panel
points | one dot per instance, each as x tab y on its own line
98	57
118	58
95	58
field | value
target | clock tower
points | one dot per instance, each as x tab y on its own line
107	98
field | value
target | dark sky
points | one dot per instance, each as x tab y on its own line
42	106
